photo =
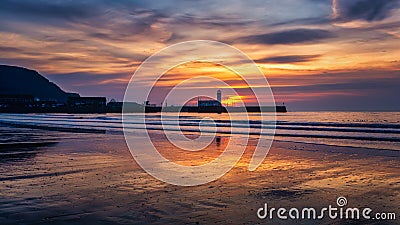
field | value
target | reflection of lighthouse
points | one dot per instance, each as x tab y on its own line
219	96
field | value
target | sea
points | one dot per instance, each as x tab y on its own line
372	130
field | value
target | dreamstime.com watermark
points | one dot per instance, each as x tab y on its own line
338	211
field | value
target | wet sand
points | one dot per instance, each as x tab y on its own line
91	178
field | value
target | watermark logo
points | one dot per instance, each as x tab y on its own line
153	72
341	201
330	212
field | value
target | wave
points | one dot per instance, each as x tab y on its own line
310	126
373	133
102	129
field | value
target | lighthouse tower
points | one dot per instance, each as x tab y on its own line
219	96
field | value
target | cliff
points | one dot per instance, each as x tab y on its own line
21	81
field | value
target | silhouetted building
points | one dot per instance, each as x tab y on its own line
219	97
11	99
11	103
114	106
87	104
148	104
48	104
210	106
208	103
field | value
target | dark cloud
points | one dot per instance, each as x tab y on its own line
288	59
108	20
301	22
369	10
9	49
66	10
288	37
211	21
46	9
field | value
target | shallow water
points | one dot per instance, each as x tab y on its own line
378	130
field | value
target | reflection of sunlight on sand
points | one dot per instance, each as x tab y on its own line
99	180
196	158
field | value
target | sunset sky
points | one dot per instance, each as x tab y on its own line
316	54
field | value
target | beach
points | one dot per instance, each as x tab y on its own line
91	177
200	112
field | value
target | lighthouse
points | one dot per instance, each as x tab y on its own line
219	96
